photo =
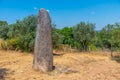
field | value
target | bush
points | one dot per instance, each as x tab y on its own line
64	48
3	44
13	43
92	47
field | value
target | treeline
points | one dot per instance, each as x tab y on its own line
82	36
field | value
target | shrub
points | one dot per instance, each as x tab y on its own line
92	47
13	43
3	44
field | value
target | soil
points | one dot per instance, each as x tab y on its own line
16	65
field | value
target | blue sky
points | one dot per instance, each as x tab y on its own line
64	12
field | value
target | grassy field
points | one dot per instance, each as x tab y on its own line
68	66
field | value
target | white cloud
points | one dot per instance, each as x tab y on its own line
35	8
48	10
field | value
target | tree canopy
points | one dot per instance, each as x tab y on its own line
82	36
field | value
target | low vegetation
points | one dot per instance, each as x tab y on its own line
82	36
68	43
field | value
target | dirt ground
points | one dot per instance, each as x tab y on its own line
68	66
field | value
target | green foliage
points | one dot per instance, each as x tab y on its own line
109	37
57	38
3	23
92	47
3	29
13	43
84	33
3	45
3	32
21	36
67	32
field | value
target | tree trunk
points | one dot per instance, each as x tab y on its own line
43	57
111	51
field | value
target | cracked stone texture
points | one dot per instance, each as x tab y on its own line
43	57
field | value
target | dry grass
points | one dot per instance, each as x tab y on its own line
68	66
1	41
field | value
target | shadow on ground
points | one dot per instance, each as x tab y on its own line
116	58
3	72
56	54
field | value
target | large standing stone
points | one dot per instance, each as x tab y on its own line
43	57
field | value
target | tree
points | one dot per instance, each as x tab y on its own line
57	38
23	32
30	23
68	35
3	23
109	37
84	34
4	31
